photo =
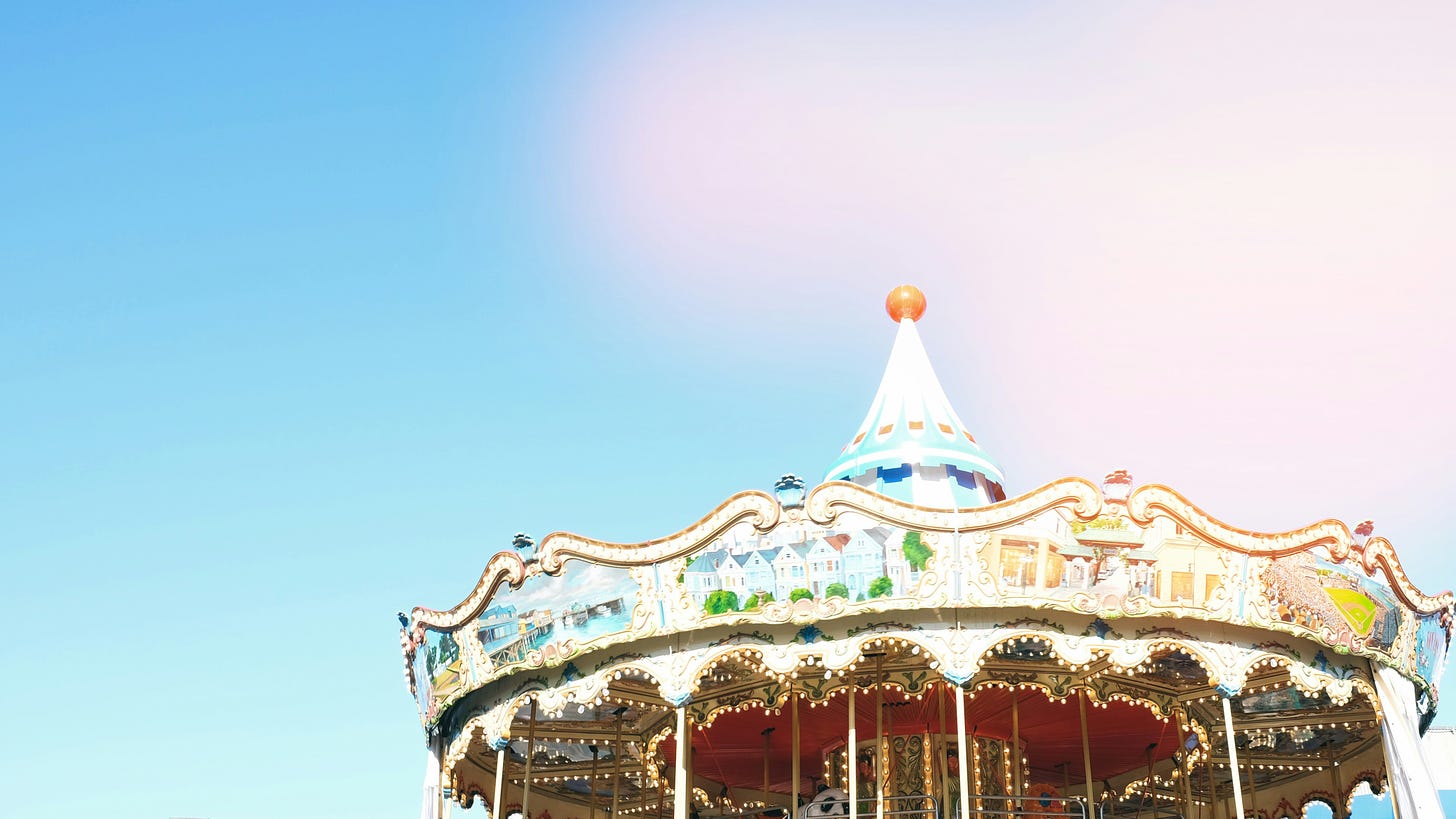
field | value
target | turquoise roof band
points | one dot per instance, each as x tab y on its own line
920	428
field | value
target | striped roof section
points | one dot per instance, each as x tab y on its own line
911	421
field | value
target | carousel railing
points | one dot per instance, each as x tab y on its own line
983	805
989	804
1134	812
920	804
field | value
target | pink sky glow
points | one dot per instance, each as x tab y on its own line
1209	245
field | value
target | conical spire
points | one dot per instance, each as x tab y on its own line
912	445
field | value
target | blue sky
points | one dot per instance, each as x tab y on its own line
304	312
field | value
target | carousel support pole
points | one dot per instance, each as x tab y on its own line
1086	753
530	746
1016	783
879	737
927	772
1212	789
960	709
944	759
1152	788
682	789
1184	776
616	767
765	733
661	793
1233	753
851	751
794	772
498	809
442	804
591	782
1188	791
891	763
1339	812
1253	795
642	790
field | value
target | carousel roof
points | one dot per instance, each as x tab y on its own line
911	422
1114	633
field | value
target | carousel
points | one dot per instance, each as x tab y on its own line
905	640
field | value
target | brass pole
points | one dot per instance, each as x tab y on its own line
1086	751
1339	811
944	763
616	768
641	785
1212	789
1253	795
766	732
591	782
1016	746
879	737
892	764
1152	789
1185	771
530	745
1066	778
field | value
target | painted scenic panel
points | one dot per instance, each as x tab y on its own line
1309	590
1100	565
1431	636
557	616
856	560
441	666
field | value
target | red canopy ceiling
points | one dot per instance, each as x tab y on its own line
732	749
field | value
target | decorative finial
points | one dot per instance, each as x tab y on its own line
905	302
790	491
525	545
1363	530
1117	485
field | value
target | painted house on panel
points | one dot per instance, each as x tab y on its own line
758	571
791	569
826	563
864	560
701	575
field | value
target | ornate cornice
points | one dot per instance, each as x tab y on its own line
1149	501
504	567
959	574
758	508
829	500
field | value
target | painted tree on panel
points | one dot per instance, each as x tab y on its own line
721	602
916	552
881	586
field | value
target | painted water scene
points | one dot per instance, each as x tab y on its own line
519	621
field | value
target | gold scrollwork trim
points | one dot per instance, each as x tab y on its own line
829	500
504	567
758	508
1150	500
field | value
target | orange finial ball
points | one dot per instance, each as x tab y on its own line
905	301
